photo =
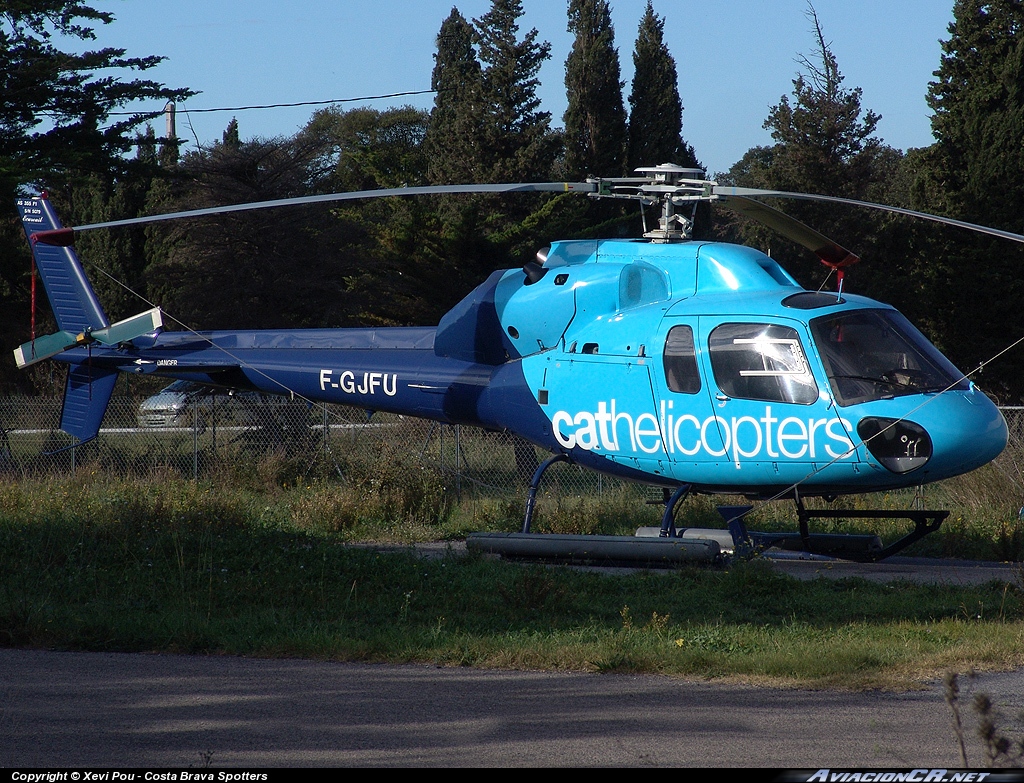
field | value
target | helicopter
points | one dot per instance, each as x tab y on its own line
696	366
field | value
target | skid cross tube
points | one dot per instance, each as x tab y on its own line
668	519
531	496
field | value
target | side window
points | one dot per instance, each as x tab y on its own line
761	362
681	372
641	283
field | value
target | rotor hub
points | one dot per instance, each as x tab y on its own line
669	185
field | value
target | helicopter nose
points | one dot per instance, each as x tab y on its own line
953	433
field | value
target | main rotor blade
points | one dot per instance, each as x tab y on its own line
831	253
726	191
426	190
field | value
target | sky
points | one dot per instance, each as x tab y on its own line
736	58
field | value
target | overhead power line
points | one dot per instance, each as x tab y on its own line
285	105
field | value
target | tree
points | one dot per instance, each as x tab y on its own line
55	108
978	105
231	138
823	139
486	126
454	134
655	109
402	277
265	269
824	143
595	120
58	125
972	172
368	148
517	143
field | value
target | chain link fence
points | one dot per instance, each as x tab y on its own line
196	435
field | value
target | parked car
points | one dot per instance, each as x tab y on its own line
176	405
269	420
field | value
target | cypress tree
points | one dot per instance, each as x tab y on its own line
453	135
595	120
231	138
655	109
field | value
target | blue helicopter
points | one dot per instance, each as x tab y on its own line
694	365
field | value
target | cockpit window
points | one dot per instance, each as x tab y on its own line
878	354
761	362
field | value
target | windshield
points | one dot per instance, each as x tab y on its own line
878	354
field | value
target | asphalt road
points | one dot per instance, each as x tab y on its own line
101	710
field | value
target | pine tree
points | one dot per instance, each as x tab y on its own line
56	124
826	144
595	120
655	109
55	109
454	133
517	143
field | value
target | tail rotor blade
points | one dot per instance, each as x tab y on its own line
41	348
129	328
123	331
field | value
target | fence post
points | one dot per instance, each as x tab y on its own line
195	438
458	463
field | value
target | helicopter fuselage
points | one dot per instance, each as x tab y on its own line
673	363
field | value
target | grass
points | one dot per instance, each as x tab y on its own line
262	569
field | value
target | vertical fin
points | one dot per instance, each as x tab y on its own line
77	311
73	301
86	395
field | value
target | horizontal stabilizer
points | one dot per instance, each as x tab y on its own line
52	344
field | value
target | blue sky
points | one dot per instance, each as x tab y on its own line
736	58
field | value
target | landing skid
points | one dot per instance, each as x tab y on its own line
669	545
847	546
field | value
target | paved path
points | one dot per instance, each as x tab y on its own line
97	710
91	709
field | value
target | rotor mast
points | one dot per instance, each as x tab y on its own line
667	184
